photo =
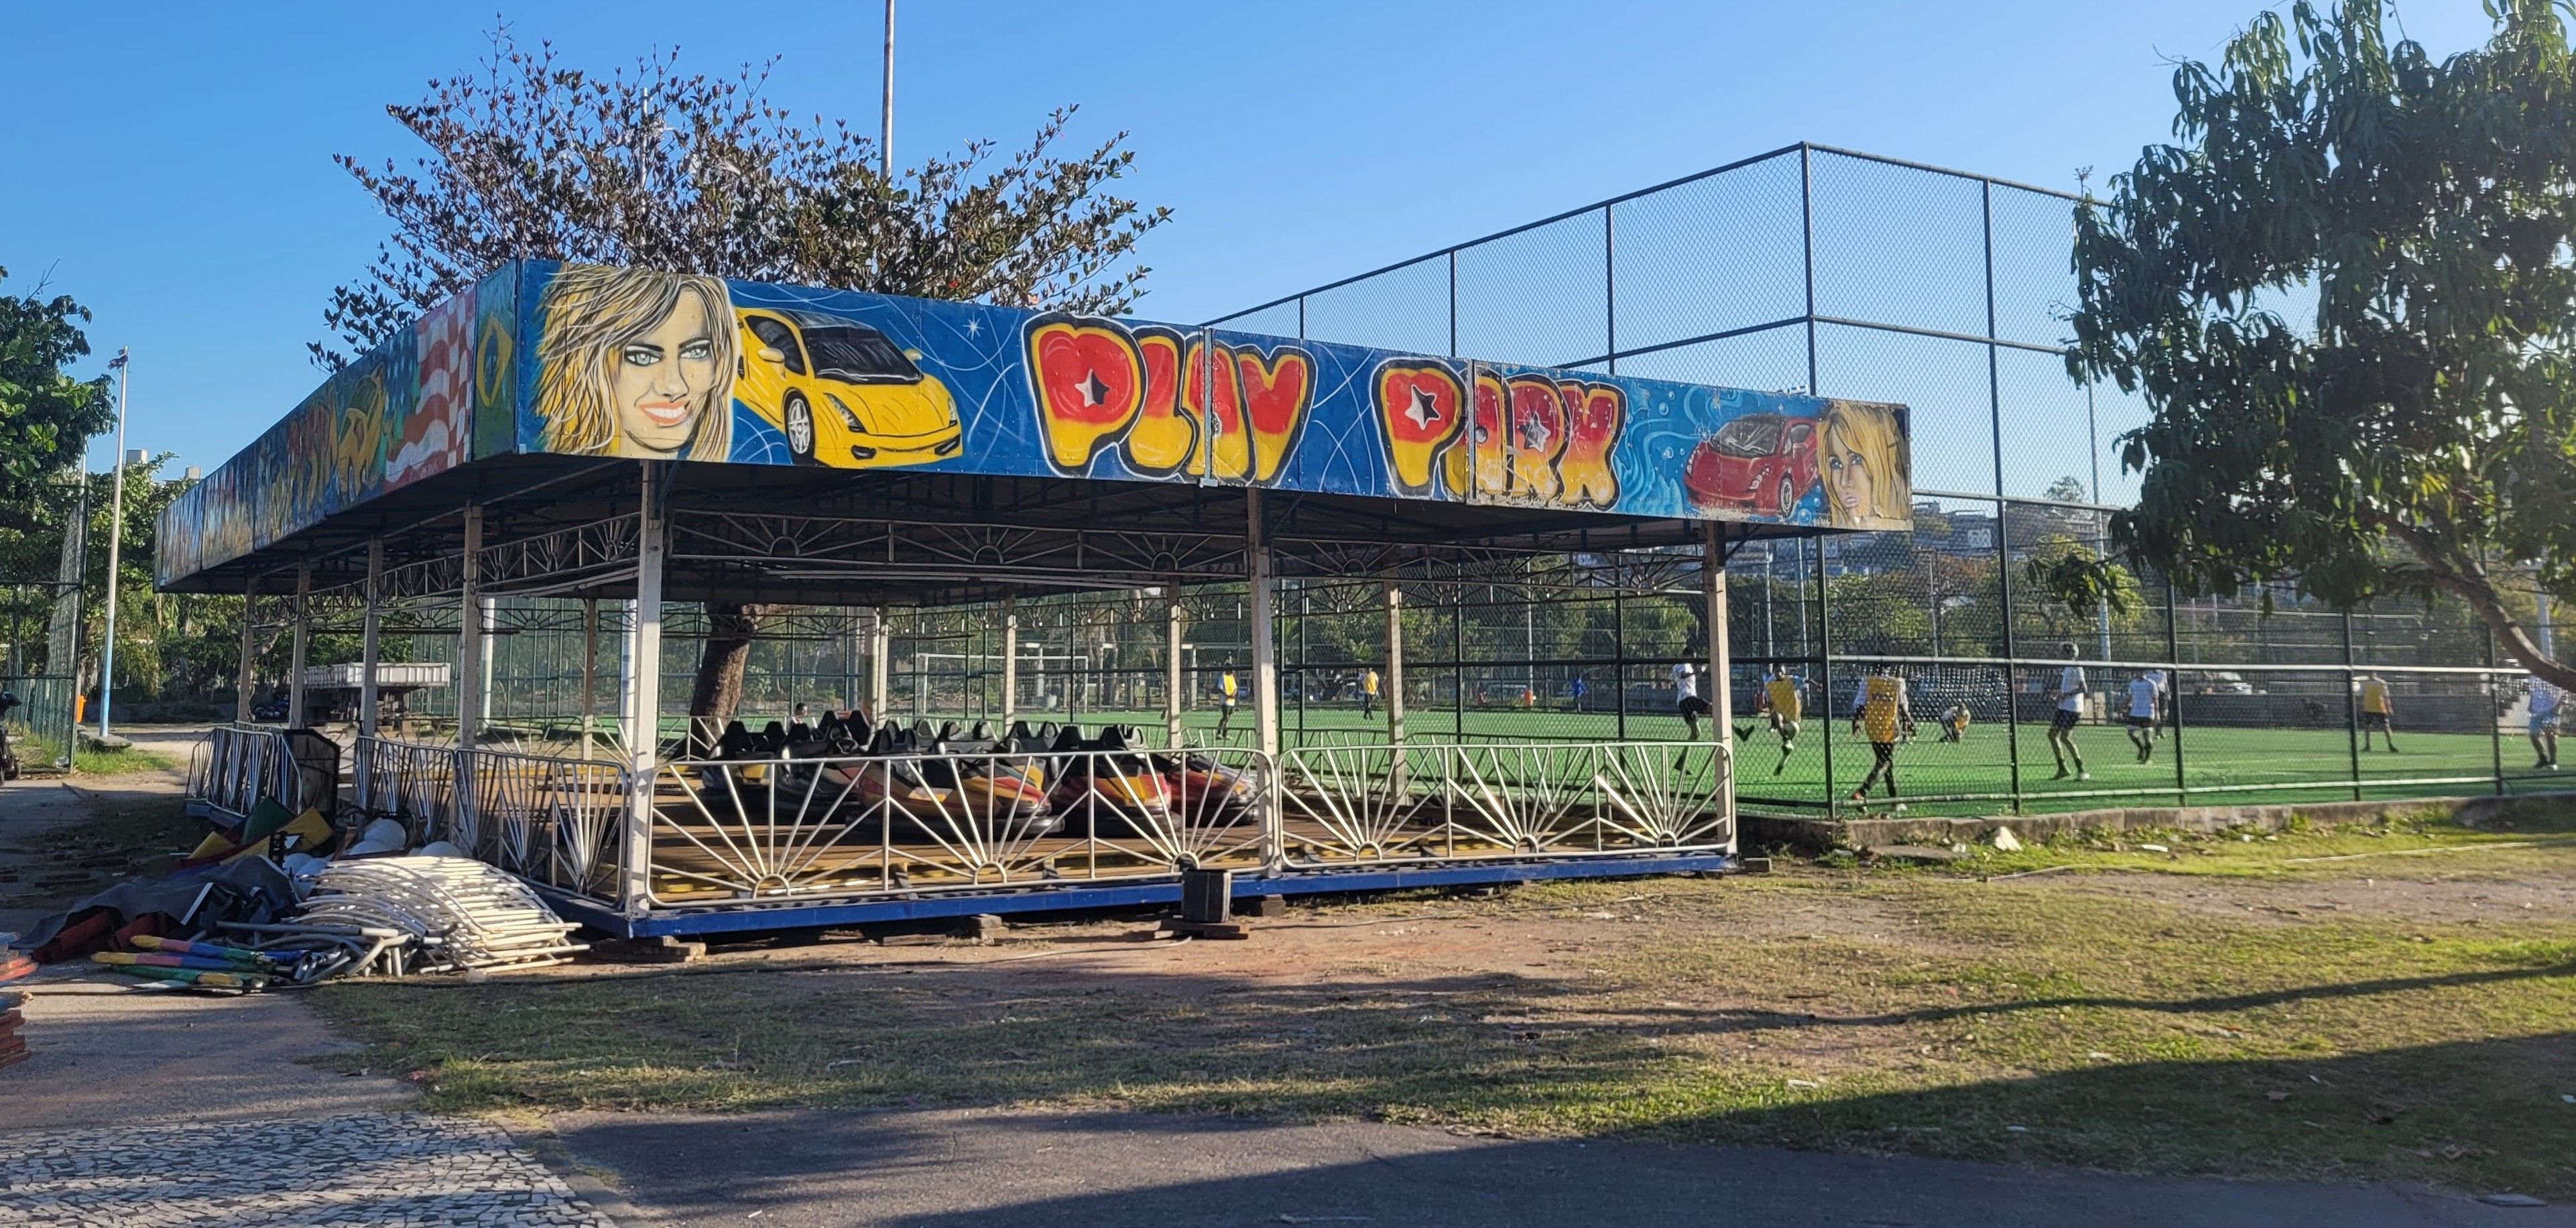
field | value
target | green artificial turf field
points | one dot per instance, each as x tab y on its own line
2219	764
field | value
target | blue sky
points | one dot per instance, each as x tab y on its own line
171	164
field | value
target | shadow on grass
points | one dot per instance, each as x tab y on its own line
920	1167
1522	1055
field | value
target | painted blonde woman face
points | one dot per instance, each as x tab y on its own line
659	381
1848	481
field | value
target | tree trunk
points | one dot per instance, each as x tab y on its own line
717	693
2471	583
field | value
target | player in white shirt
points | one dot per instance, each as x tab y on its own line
2146	693
2069	694
1686	697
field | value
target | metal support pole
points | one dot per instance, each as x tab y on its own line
1825	677
303	637
1010	658
1173	683
371	641
2173	679
249	656
489	610
1458	655
1721	676
1393	692
642	685
1807	232
2003	510
1265	651
115	535
589	671
880	663
469	635
1619	651
2351	706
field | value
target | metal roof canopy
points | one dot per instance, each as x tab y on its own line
564	526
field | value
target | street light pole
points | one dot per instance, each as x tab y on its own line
115	532
885	132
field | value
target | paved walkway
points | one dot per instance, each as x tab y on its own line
366	1168
1020	1169
140	1105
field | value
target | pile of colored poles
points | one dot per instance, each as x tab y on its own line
203	964
13	1046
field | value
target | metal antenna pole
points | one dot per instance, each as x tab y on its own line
885	132
115	532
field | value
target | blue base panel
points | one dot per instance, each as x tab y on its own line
817	914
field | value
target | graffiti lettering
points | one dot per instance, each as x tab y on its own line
1101	385
1418	407
1523	437
1592	418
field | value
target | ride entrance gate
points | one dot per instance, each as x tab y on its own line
622	446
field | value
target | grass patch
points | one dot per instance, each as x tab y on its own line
122	761
1920	1012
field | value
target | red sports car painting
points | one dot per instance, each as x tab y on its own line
1762	462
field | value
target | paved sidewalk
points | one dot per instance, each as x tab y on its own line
141	1105
371	1168
995	1168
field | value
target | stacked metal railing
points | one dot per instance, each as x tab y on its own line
784	827
235	766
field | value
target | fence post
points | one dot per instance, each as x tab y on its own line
301	636
2173	658
2003	509
1458	658
1825	670
2494	689
249	658
2351	707
1619	650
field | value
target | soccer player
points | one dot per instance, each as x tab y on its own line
2545	702
1227	692
1368	694
2376	711
1880	710
1783	699
2069	694
1954	721
1686	697
2144	695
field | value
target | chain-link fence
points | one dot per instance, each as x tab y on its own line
1806	268
1850	275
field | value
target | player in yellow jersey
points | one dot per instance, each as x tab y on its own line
1783	700
1881	711
1368	694
1954	721
1227	690
2376	711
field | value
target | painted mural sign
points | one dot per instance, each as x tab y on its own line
582	360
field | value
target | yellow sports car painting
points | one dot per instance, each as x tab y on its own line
841	392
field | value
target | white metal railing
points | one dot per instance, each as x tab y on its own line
413	783
872	824
236	765
546	818
786	827
1357	805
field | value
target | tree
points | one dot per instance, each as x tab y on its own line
2422	433
46	417
662	169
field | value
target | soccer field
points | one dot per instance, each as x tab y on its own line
1975	774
